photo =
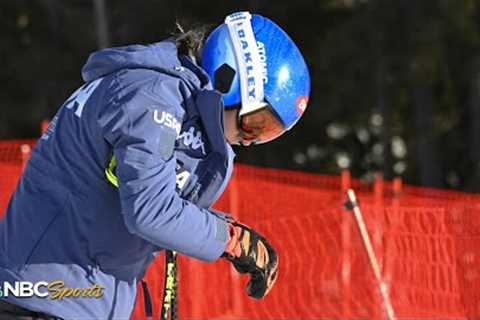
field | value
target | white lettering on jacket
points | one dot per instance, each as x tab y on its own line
182	178
193	139
168	120
80	97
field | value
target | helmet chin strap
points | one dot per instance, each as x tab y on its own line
249	66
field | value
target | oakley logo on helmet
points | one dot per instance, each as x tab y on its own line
239	16
249	64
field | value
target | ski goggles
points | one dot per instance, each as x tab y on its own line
261	125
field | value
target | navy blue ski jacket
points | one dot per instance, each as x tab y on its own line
156	113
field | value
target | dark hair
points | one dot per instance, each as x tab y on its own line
190	42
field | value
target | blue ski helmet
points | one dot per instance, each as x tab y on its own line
255	65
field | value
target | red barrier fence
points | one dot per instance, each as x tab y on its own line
427	242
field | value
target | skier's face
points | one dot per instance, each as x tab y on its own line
231	129
253	128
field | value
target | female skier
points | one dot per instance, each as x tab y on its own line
132	162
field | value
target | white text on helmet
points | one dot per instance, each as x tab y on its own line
247	57
263	60
237	16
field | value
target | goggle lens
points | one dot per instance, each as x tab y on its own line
261	126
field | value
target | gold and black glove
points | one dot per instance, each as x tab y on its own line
251	253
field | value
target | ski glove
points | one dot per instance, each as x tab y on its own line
251	253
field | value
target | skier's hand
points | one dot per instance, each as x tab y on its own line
251	253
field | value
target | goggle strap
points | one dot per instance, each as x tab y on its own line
249	66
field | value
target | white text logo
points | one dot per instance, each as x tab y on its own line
23	289
192	139
182	176
53	290
263	60
79	98
167	119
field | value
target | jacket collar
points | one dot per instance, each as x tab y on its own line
210	108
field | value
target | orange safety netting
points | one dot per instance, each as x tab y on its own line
427	242
13	154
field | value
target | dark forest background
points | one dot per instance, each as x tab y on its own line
395	83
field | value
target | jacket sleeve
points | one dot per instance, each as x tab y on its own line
142	129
